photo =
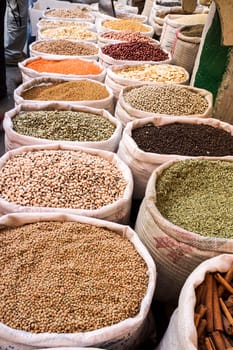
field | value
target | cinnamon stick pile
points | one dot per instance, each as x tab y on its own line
213	316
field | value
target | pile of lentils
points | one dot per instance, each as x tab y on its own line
197	195
127	35
76	90
184	139
65	47
54	279
126	24
61	179
135	51
63	125
69	13
162	73
168	99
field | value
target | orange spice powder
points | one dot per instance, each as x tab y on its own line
66	66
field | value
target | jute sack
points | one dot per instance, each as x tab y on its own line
28	73
128	333
34	52
181	333
14	140
175	250
116	83
126	113
185	47
173	22
106	103
117	211
141	163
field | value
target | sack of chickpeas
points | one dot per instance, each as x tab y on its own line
150	142
57	122
120	76
186	218
74	282
154	100
67	180
66	68
81	92
201	320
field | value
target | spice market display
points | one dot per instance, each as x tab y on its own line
116	185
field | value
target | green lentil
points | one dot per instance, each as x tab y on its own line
169	99
198	196
63	125
67	277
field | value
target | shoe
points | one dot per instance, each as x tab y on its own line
13	61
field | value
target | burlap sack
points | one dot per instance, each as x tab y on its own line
176	251
126	113
181	333
14	140
118	211
141	163
106	103
129	332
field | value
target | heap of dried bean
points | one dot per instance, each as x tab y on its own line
65	47
127	35
63	125
61	179
69	13
67	277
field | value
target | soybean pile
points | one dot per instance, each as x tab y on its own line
169	99
197	195
184	139
78	90
67	277
63	125
61	179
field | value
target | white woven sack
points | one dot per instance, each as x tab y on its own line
106	103
14	140
117	83
175	250
127	332
125	113
28	73
100	28
34	52
171	26
141	163
185	50
107	60
181	333
118	211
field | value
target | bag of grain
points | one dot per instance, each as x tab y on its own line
78	14
186	45
150	142
61	49
120	76
154	100
173	22
182	333
57	122
185	218
67	180
87	310
74	32
84	92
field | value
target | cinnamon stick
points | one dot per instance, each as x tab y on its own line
200	293
201	310
209	303
228	277
201	328
218	340
208	344
226	341
218	324
226	311
223	282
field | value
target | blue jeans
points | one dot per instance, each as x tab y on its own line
16	33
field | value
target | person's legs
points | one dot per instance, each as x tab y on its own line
17	15
3	89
